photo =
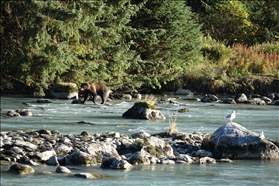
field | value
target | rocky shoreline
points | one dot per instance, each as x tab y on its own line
119	151
112	150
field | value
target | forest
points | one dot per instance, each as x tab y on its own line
205	45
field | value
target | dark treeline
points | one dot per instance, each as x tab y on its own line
135	43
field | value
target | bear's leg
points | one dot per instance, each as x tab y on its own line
104	97
103	100
85	97
94	97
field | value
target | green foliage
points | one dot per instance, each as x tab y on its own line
216	52
121	42
264	16
239	21
132	43
166	41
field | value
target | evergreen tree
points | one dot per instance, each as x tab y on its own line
116	42
166	41
65	41
265	16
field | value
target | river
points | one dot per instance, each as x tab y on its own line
203	117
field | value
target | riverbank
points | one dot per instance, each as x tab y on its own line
224	85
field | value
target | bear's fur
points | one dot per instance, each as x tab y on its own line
95	89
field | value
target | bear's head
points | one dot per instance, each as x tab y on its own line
84	86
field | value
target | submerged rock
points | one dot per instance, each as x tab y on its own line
62	169
16	113
42	100
21	169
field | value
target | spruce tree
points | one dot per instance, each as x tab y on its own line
166	40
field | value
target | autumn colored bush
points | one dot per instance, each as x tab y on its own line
260	59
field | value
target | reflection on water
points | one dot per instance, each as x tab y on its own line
64	116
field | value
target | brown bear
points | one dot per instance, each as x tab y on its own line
95	89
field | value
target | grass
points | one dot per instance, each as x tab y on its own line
148	102
150	99
172	125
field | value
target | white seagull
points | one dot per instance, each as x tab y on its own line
231	116
261	135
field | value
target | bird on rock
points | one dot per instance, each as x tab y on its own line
231	116
261	135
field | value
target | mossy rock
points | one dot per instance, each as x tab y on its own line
64	87
145	105
183	110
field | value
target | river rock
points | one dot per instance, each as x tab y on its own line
209	98
64	90
100	149
42	100
142	112
267	100
53	160
205	160
24	112
80	158
126	96
45	155
167	161
157	147
203	153
12	113
229	101
275	102
115	163
140	157
182	91
224	160
62	169
85	175
21	169
76	101
241	98
234	141
185	158
62	149
26	145
142	135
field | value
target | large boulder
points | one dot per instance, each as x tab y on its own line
236	142
143	110
64	91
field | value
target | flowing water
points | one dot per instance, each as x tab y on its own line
203	117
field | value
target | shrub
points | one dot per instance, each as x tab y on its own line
172	125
